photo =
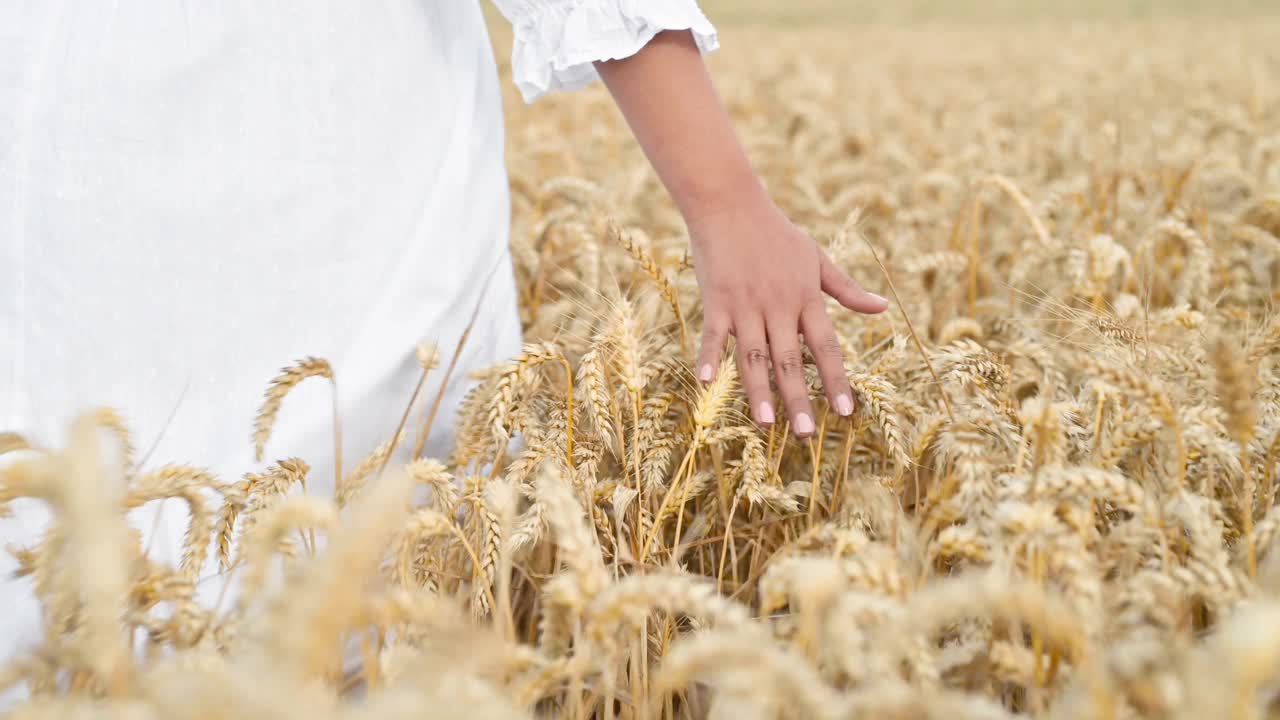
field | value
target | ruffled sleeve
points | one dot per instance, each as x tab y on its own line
556	41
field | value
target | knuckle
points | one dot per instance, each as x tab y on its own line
829	347
755	358
790	363
768	294
752	297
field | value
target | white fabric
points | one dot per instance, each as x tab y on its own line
556	41
195	194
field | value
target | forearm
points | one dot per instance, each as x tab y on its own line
667	97
762	279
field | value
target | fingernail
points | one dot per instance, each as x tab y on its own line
844	405
881	298
765	414
804	424
704	373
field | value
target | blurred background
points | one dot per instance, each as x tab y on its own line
808	11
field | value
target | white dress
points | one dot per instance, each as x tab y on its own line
195	194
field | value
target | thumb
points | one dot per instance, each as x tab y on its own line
847	291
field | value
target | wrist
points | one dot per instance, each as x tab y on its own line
715	198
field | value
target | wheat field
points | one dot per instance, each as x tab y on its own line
1056	499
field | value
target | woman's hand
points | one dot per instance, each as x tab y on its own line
764	281
761	278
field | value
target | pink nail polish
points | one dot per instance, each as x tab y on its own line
705	373
804	424
844	405
765	414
